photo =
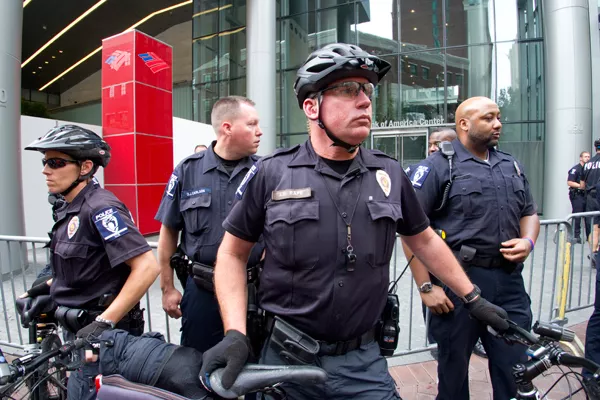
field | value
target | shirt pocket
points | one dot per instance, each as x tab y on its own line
71	262
293	229
196	213
385	216
466	198
518	191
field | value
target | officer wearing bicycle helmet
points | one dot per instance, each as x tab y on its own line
101	263
329	211
590	179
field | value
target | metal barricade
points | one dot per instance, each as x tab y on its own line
558	278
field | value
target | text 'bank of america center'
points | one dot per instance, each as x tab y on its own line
533	57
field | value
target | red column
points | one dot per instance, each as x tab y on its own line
137	122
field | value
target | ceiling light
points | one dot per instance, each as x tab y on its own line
415	28
59	34
60	51
211	10
26	2
45	62
53	56
412	11
39	67
100	48
33	72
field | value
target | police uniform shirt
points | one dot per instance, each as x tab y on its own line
290	198
93	237
197	199
485	203
575	174
591	173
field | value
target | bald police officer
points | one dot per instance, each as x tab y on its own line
329	211
482	201
101	264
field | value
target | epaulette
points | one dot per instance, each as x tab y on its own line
195	156
281	151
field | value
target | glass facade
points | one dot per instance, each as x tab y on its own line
442	52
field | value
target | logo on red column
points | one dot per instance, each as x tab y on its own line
154	62
118	58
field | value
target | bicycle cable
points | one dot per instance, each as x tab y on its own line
565	375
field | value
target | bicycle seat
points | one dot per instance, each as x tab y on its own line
255	377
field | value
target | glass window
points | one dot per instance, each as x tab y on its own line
232	63
205	18
333	25
206	59
294	40
413	69
422	98
204	98
425	72
377	26
469	22
386	101
232	14
421	24
294	120
519	77
474	64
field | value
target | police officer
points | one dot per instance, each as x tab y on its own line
443	134
576	194
329	211
590	178
101	263
197	199
491	225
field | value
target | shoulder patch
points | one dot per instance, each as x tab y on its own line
110	224
407	170
172	185
419	176
573	171
249	175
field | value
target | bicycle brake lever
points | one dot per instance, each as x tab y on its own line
515	334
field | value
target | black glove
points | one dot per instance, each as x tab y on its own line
23	305
39	289
94	330
488	313
231	352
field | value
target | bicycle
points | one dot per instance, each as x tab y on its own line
544	351
24	370
44	337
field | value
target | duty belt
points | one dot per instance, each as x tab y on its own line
334	348
485	262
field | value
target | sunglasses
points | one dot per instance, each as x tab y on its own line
351	90
56	163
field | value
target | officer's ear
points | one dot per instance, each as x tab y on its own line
311	108
464	124
86	167
226	127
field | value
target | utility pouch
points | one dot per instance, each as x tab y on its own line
292	345
73	319
203	276
466	254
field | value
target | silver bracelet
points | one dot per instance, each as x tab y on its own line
106	321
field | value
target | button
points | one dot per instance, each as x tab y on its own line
229	202
464	189
337	317
498	187
344	215
502	208
343	251
341	283
193	202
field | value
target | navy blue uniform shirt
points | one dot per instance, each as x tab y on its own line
591	173
197	199
290	197
486	201
575	173
92	238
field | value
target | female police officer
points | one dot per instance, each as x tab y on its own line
101	262
329	211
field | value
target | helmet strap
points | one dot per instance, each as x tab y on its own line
81	178
336	141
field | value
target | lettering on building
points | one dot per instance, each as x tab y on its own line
421	122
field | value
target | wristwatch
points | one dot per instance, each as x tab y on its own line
426	287
469	297
106	321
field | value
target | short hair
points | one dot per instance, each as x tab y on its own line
446	131
200	145
227	108
583	152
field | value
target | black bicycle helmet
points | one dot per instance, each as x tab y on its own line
333	62
80	143
597	144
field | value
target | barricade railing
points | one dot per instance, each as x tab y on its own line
558	277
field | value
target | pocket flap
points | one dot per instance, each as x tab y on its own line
463	187
292	211
203	200
71	250
518	185
385	209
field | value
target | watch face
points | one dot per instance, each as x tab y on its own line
426	287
